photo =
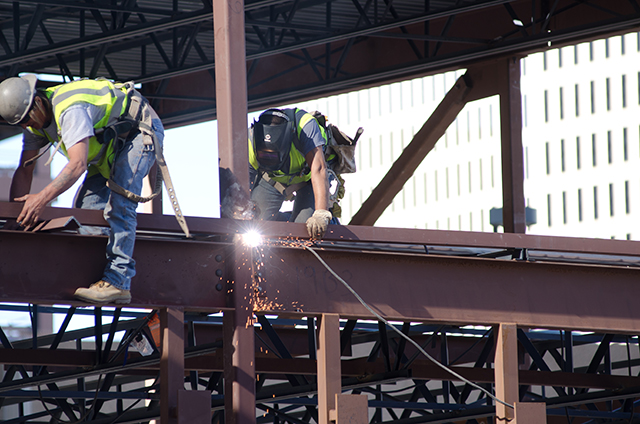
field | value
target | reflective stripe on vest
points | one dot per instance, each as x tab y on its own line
101	93
297	161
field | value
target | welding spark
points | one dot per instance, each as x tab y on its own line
252	238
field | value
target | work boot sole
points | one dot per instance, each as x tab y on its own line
116	301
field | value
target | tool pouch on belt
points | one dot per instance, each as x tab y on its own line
138	116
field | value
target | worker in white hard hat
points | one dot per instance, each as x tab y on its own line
105	129
286	154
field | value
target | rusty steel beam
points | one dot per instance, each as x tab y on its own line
171	362
33	269
231	88
420	369
513	207
225	229
239	351
454	289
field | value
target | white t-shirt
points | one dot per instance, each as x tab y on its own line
77	123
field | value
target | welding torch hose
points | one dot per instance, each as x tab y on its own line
381	318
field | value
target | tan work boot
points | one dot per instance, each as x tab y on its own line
103	292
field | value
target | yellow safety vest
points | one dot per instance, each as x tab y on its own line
298	170
98	93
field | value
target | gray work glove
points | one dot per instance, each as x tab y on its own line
317	224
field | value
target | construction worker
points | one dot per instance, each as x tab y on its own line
85	119
286	153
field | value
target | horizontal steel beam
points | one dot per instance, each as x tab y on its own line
452	289
350	233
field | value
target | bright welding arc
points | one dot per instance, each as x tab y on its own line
377	315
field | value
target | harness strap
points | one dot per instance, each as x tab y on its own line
287	191
139	116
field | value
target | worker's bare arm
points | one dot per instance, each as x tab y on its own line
21	181
317	164
35	203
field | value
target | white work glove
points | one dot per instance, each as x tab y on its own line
317	224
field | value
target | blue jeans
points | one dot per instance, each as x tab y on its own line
132	164
270	200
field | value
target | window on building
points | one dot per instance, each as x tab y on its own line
546	151
546	106
578	152
470	221
479	124
524	102
625	145
580	204
591	51
593	149
480	170
622	46
624	91
611	199
446	181
561	104
415	191
564	207
577	101
559	58
425	188
606	47
491	116
562	155
549	210
469	177
492	174
544	60
609	147
595	202
593	98
627	207
575	54
458	172
468	127
608	93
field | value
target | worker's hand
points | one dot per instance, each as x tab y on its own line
33	206
317	224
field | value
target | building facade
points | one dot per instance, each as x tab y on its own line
581	127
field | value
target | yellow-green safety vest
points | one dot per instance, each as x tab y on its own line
298	171
98	93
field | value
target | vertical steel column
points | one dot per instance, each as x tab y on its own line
506	370
329	372
239	342
231	87
513	207
171	363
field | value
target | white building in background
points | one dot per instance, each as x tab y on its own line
581	127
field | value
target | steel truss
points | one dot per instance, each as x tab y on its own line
294	49
584	375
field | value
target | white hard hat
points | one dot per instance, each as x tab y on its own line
16	97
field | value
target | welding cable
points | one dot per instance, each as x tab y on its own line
432	359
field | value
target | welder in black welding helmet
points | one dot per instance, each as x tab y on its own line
272	138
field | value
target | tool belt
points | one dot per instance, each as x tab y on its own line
138	117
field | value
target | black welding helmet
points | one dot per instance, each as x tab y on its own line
272	138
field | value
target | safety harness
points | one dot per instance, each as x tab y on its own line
136	115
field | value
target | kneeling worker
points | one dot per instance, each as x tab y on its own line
286	153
